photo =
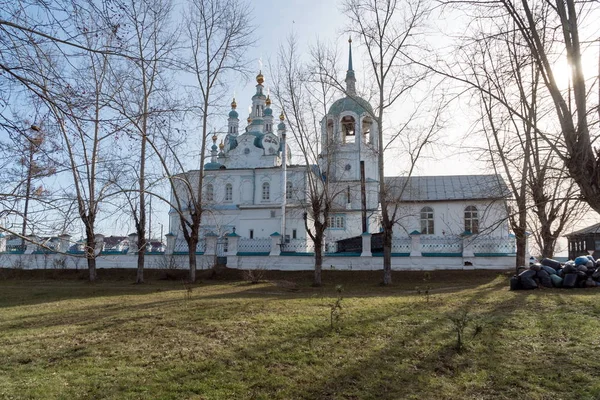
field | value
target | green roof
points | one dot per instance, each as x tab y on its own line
356	104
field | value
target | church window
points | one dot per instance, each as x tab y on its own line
348	195
471	219
228	192
366	130
294	234
348	129
288	190
427	227
251	234
266	191
337	221
329	131
210	193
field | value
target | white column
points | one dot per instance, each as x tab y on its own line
232	244
170	249
366	245
415	244
133	239
275	244
211	244
467	245
64	242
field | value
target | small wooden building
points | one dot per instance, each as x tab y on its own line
584	241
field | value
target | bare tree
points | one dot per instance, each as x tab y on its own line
30	157
70	80
305	101
218	34
389	31
149	42
576	108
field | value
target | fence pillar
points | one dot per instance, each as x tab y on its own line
275	244
133	244
170	249
64	242
2	243
211	244
415	244
366	245
31	244
99	241
232	244
467	245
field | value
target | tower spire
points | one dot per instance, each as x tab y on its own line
350	79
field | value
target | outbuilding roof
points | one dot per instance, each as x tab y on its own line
441	188
594	229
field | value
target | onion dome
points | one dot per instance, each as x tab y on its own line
221	145
233	113
281	125
260	78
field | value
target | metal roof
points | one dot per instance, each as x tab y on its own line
585	231
453	187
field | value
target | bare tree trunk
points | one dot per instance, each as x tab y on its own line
387	256
141	224
318	259
90	250
192	244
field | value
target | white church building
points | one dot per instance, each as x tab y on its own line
256	193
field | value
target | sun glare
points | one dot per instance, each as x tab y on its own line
562	70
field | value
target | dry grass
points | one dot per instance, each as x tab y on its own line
228	339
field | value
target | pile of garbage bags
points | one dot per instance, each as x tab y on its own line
582	272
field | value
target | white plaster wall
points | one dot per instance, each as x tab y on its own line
285	263
449	218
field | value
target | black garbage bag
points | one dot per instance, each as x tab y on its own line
570	281
527	281
557	281
550	263
570	269
515	283
581	278
549	270
544	278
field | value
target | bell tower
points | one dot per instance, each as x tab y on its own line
349	135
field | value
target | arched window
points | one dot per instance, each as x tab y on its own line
288	190
427	227
348	129
471	219
210	193
266	191
228	192
366	130
329	131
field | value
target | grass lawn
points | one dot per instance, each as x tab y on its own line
228	339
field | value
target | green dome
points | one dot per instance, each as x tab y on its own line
357	105
233	114
268	112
